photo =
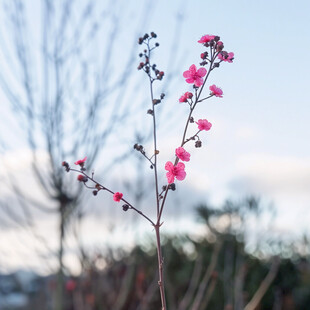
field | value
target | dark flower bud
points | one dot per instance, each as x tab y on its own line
216	38
164	187
95	193
156	101
149	111
125	207
66	165
191	120
198	143
153	35
219	46
162	73
82	178
172	186
204	55
140	41
162	96
216	65
145	51
156	44
145	36
140	55
151	167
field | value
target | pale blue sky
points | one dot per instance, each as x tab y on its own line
259	142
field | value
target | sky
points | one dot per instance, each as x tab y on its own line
259	142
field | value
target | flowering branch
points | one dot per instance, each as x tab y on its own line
83	178
197	77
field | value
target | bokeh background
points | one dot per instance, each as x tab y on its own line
69	88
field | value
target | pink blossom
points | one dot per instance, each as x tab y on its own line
175	171
117	196
224	56
182	154
216	91
187	95
206	38
81	161
195	76
203	124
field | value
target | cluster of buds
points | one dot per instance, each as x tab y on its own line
139	148
145	65
147	36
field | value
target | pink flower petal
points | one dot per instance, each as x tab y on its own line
192	69
190	80
170	177
202	72
169	166
181	175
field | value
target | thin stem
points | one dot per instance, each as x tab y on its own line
197	97
160	268
154	134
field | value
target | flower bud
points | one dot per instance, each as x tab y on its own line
198	143
140	41
219	46
82	178
95	193
172	186
125	207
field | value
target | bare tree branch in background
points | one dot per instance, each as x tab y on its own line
58	77
265	284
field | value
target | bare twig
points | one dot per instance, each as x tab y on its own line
264	285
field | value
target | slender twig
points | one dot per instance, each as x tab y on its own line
204	282
264	285
101	187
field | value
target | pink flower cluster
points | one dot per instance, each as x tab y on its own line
195	76
117	197
176	171
182	154
206	39
216	91
203	124
186	96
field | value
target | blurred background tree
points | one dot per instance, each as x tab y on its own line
65	73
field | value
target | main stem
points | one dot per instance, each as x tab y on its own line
160	268
157	225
